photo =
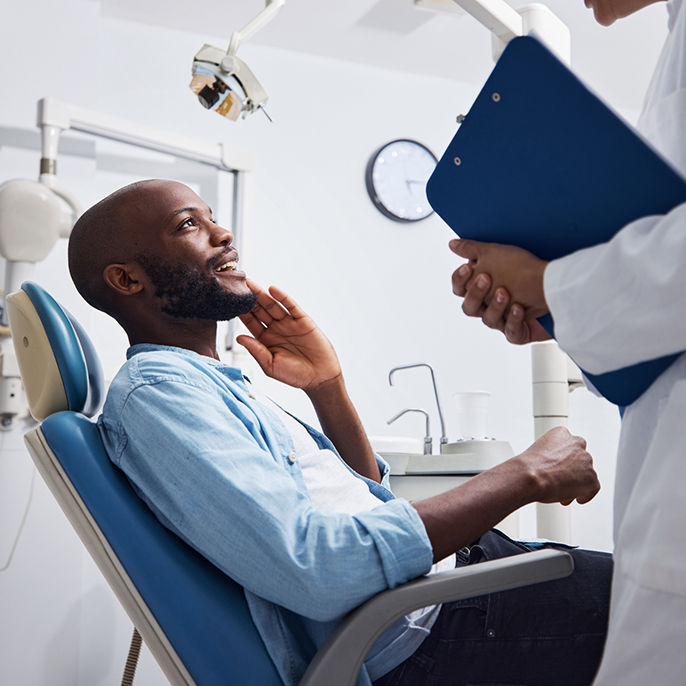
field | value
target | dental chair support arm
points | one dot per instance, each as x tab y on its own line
340	658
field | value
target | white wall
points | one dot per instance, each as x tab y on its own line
379	289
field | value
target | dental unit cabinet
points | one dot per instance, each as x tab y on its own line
416	473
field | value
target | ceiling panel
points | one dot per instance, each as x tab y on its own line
615	61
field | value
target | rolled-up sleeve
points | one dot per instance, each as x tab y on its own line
209	475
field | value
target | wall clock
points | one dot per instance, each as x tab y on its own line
396	179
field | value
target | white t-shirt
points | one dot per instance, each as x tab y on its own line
333	486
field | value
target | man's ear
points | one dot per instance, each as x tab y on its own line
123	278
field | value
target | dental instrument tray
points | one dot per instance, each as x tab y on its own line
542	163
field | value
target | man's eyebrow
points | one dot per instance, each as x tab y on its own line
190	208
185	209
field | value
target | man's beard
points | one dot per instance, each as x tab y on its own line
188	293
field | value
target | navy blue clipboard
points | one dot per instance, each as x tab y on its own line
542	163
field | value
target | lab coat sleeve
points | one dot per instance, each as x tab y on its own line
623	302
209	476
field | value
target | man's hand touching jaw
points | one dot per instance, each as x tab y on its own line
286	343
290	348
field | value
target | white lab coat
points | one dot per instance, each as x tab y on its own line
614	305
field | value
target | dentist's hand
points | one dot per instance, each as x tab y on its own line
503	285
286	343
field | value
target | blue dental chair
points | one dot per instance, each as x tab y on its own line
193	618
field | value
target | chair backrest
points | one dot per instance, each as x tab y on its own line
194	619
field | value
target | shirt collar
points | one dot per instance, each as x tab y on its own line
152	347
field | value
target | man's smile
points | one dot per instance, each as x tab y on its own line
227	264
231	265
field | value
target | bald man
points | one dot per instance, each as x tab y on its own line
304	520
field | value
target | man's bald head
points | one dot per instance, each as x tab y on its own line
152	255
107	234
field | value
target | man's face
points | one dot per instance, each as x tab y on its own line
187	257
606	12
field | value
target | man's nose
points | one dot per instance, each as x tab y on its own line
221	236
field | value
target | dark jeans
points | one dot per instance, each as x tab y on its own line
548	634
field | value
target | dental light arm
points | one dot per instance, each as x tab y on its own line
266	15
223	82
497	16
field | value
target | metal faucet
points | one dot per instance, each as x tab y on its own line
444	437
427	438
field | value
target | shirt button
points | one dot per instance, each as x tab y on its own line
292	458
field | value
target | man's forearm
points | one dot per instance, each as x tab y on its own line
341	423
555	469
458	517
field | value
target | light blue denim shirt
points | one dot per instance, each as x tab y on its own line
213	465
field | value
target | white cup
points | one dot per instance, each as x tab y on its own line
472	413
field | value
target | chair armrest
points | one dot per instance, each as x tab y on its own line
338	661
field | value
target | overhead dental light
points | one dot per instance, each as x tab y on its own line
223	82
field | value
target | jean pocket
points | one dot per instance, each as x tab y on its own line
478	603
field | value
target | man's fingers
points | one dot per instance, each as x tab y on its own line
589	492
260	352
268	308
252	323
287	302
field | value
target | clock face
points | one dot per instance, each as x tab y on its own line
396	180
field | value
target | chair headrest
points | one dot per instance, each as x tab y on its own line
58	363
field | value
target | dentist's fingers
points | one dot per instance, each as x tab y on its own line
470	250
494	317
475	304
515	329
461	277
519	330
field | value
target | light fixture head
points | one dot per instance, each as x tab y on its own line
225	84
